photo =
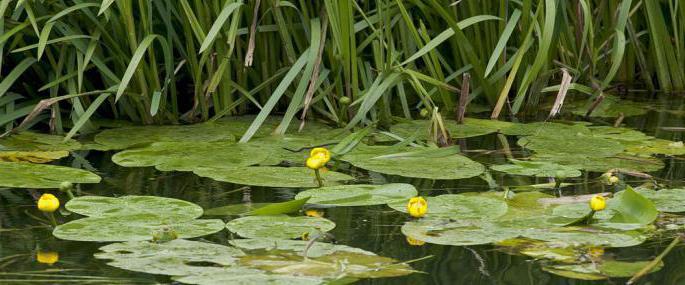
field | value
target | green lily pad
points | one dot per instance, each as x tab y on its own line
543	129
658	146
246	276
665	200
600	271
175	257
234	210
632	207
122	138
136	227
278	226
456	232
587	236
32	156
269	176
167	208
29	141
579	211
414	162
134	218
624	135
359	195
316	249
288	260
188	156
420	128
603	164
460	206
537	169
572	145
29	175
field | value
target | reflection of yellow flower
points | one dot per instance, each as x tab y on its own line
417	207
598	203
47	257
314	213
48	203
415	242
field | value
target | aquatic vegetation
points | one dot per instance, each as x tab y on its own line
133	218
318	157
598	203
359	194
271	176
278	226
29	175
417	207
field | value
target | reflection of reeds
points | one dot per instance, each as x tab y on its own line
171	61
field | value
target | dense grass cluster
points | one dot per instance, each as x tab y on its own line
162	61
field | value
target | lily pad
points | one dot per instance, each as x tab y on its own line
610	107
269	176
234	210
188	156
665	200
632	207
414	162
134	218
122	138
537	169
29	175
460	206
246	276
571	145
167	208
420	128
359	194
658	146
170	258
278	226
337	262
316	249
602	164
587	236
136	227
456	232
32	156
30	141
600	271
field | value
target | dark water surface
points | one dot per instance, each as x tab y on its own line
375	228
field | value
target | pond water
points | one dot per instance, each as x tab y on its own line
372	228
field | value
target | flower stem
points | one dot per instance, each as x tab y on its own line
590	217
318	178
53	221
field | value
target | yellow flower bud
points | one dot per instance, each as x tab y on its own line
613	180
321	153
598	203
415	242
48	203
314	213
417	207
315	163
47	257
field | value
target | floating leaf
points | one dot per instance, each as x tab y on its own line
134	227
316	249
537	169
665	200
610	107
600	271
126	137
175	257
133	218
278	227
269	176
359	194
246	276
166	208
587	236
658	146
456	232
390	160
631	207
577	144
602	164
32	156
460	206
420	129
29	141
29	175
188	156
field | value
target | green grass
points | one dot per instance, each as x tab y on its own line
168	62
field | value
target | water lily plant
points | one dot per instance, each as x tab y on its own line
597	203
48	204
417	207
318	157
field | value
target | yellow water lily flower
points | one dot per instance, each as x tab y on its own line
314	213
48	203
598	203
47	257
315	163
417	207
321	153
415	242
